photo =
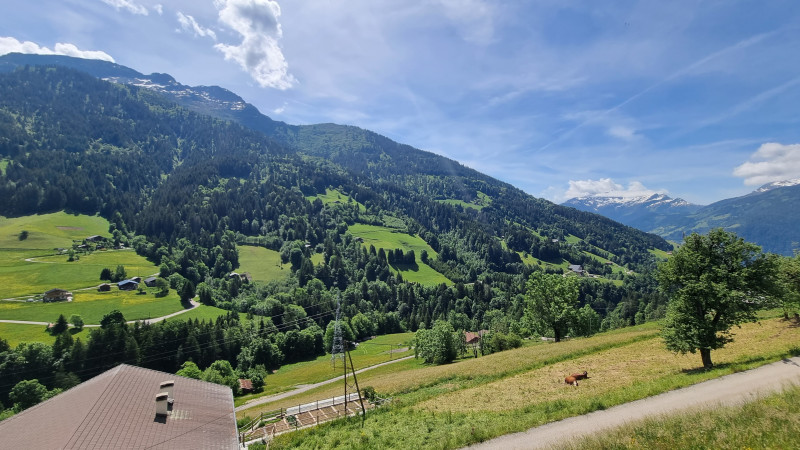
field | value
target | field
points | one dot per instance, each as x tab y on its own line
262	263
473	400
92	306
334	196
481	202
15	333
375	351
389	239
31	267
769	422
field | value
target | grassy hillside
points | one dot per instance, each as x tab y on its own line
476	399
390	239
33	266
769	422
262	263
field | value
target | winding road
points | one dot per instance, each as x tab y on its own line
731	389
153	320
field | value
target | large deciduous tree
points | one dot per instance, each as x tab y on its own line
551	302
714	281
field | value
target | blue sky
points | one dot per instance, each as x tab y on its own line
698	99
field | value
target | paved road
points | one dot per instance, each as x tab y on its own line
307	387
153	320
728	390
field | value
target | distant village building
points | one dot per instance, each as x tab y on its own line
57	295
127	285
245	385
474	338
128	407
150	281
576	268
95	238
105	287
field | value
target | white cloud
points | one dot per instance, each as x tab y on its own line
132	7
622	132
606	187
12	45
259	53
771	162
189	24
159	8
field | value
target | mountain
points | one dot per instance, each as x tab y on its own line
766	216
185	189
642	212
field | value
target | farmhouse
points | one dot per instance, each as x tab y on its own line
95	238
128	407
150	281
474	338
105	287
245	385
57	295
576	268
127	285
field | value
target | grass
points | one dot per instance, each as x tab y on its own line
203	312
15	333
4	165
47	270
389	239
368	353
334	196
92	306
481	202
474	400
769	422
262	263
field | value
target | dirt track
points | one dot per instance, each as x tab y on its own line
728	390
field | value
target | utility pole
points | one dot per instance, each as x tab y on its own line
337	350
348	387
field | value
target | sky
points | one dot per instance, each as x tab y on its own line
561	98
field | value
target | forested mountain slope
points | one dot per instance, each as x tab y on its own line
184	188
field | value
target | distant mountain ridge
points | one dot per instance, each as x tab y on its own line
767	216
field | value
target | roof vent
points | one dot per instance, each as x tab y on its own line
167	386
161	404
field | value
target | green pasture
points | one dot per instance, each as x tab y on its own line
204	312
389	239
3	165
262	263
49	231
473	400
481	202
15	333
375	351
93	305
335	196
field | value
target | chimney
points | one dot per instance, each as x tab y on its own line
167	386
161	404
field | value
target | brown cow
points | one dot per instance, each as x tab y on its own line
581	376
571	380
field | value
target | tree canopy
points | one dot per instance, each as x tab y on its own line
714	281
551	302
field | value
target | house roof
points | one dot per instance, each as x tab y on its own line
56	291
116	409
576	268
124	282
472	337
148	279
245	383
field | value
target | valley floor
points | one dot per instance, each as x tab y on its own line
731	389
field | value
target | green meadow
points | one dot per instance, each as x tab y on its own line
375	351
473	400
15	333
335	196
390	239
92	305
32	266
262	263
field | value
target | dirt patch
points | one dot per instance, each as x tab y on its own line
70	228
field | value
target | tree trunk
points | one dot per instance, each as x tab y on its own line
556	334
705	354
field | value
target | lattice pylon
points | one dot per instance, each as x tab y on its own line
337	349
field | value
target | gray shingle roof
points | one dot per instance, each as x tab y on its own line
116	409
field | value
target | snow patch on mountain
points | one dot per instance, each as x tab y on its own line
777	184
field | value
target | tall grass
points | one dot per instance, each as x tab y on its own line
769	422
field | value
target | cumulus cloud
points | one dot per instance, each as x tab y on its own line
189	24
128	5
159	8
606	187
771	162
12	45
259	53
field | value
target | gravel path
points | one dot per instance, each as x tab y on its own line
728	390
307	387
153	320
